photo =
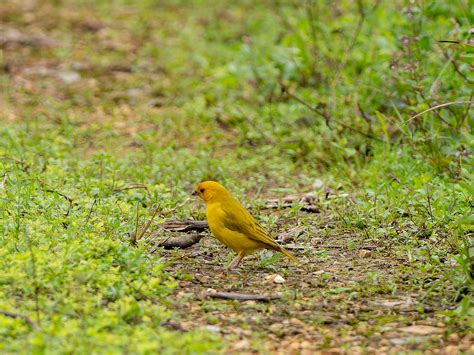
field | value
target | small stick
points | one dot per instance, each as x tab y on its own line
51	190
90	211
428	198
295	231
147	225
470	102
185	226
181	242
25	319
242	296
130	187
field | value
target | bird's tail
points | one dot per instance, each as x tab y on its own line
289	255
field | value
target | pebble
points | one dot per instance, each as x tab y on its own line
363	253
451	350
297	322
453	338
69	77
213	328
278	279
240	345
398	341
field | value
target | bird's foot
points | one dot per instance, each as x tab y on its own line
235	263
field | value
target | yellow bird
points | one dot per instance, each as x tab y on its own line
233	225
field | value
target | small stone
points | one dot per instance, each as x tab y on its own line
213	328
296	322
398	341
453	338
69	77
451	350
318	184
357	350
240	345
294	346
363	253
276	327
247	332
278	279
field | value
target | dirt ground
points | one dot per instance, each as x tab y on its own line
346	296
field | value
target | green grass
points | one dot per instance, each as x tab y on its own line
266	98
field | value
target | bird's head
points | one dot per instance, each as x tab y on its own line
210	191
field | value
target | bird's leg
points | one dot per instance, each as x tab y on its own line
235	263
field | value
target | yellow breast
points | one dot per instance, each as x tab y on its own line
234	240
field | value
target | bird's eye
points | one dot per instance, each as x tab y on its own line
202	190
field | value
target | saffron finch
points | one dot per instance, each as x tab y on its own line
233	225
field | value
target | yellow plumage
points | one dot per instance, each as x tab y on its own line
233	225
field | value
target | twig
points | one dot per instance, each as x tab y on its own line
25	319
287	202
365	116
34	280
456	68
294	247
397	180
352	43
177	207
181	242
458	42
304	208
291	95
355	36
428	199
241	296
147	225
90	211
187	240
184	226
4	179
435	108
131	187
334	246
49	189
67	198
466	112
283	237
133	236
315	110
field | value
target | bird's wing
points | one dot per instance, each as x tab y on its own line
239	220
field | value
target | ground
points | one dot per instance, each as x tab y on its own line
349	294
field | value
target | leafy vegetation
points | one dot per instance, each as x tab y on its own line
111	111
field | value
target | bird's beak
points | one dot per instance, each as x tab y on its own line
194	193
